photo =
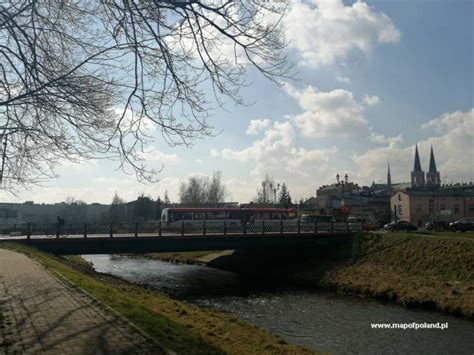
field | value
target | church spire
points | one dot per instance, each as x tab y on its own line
432	162
389	177
417	175
417	166
433	178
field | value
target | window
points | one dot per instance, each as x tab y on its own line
456	208
471	208
199	215
399	197
400	209
442	207
216	215
418	209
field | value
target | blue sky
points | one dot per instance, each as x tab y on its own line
374	78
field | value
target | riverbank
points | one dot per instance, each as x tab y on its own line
429	271
434	271
176	326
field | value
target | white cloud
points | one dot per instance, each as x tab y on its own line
383	140
328	113
326	30
343	80
453	147
153	154
257	126
451	121
371	100
275	153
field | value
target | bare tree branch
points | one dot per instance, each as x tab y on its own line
84	80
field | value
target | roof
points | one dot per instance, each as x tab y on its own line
417	165
402	185
432	162
231	209
438	193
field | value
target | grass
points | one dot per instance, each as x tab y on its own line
176	326
435	271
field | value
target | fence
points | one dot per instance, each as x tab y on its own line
202	228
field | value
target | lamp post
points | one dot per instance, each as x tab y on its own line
275	192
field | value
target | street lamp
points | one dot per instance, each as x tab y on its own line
275	192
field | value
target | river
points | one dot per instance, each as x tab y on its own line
322	321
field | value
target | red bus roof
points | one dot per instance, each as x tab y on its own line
231	209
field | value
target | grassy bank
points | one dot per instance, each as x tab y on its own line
177	326
433	271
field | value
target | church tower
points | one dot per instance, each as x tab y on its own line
389	177
432	176
417	175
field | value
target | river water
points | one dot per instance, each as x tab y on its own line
319	320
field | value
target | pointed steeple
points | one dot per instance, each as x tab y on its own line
433	178
389	177
432	162
417	166
417	175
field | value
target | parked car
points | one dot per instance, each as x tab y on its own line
437	225
462	225
400	226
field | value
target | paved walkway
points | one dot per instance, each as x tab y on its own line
43	314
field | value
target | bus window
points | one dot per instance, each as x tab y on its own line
265	215
217	215
199	215
234	215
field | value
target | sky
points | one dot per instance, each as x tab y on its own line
373	79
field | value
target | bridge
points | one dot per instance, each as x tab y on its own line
135	238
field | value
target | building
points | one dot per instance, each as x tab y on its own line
421	206
427	200
422	199
419	180
20	213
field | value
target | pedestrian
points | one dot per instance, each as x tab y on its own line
59	225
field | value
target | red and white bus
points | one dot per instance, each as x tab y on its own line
190	216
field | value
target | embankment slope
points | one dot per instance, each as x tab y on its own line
410	269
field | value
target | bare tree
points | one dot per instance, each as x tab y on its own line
216	191
199	190
194	191
266	194
86	79
117	209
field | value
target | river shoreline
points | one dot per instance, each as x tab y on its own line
177	326
313	318
411	270
430	272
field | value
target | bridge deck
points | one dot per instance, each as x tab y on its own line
175	243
